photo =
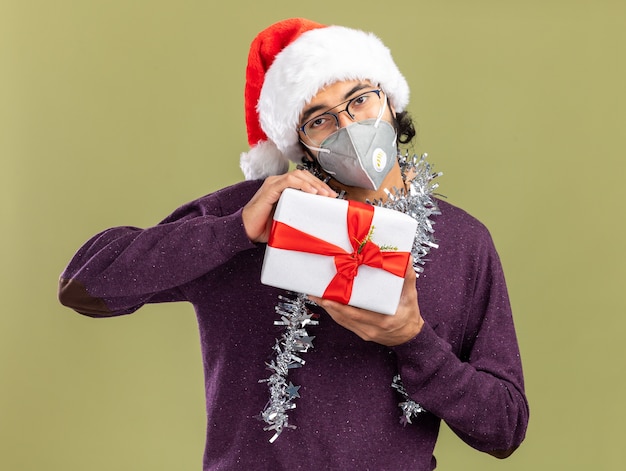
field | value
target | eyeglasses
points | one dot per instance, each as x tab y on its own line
364	106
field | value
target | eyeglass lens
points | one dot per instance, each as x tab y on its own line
364	106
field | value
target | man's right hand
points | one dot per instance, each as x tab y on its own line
257	214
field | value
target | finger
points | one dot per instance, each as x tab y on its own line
345	314
409	290
257	214
305	181
336	312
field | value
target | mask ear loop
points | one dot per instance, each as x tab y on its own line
381	112
318	149
380	116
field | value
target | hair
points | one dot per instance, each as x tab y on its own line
405	127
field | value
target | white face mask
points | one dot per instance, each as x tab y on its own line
361	154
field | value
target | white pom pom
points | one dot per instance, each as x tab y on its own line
263	160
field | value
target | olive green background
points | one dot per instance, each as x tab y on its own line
116	112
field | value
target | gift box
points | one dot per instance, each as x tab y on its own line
348	251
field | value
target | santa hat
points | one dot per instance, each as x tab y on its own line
288	64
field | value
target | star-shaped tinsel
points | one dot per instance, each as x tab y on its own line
410	408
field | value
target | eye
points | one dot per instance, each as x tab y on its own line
317	122
360	100
320	122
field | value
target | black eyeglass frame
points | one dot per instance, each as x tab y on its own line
378	91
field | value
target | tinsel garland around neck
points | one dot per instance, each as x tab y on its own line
417	201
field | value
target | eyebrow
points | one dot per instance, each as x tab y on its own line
314	109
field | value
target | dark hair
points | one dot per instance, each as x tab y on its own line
406	129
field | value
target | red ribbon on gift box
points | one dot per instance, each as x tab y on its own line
365	252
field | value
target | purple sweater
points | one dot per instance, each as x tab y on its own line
463	367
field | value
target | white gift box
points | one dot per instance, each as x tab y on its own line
390	238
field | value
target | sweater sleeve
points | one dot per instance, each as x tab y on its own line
478	389
122	268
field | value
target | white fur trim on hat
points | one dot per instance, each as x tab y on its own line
319	58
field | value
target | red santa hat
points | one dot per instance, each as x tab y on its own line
288	64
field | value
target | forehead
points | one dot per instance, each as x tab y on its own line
339	89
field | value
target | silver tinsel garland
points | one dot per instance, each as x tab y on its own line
417	201
294	316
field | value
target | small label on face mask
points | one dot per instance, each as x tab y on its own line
379	159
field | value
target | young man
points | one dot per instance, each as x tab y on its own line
331	97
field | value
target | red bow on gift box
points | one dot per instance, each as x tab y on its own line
365	252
